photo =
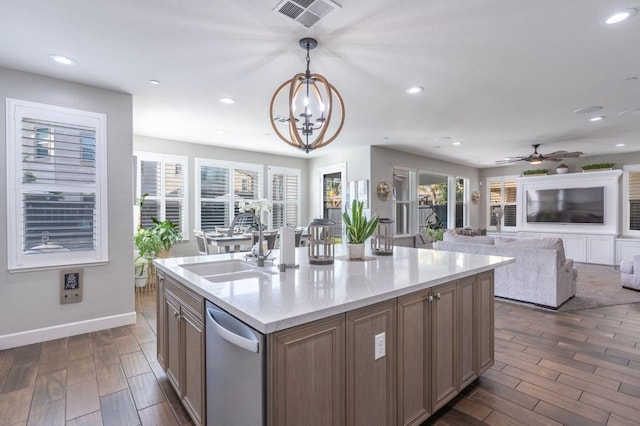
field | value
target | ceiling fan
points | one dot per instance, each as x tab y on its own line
537	158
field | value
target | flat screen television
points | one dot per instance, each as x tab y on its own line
566	205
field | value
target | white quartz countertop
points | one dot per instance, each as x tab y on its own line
310	292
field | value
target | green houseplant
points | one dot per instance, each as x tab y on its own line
358	228
598	166
152	242
535	172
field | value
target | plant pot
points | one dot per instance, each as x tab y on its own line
562	170
355	251
140	280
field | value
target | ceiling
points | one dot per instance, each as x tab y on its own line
498	75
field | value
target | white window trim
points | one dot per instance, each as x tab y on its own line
271	170
231	165
489	206
626	232
166	158
16	260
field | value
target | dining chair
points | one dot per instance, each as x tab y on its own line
201	239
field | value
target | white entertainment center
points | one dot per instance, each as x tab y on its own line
583	242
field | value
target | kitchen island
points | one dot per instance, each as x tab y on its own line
388	340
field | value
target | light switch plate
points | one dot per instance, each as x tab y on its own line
380	349
71	286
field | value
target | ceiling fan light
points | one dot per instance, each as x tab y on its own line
535	161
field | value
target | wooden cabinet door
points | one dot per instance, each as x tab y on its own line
414	358
371	366
468	330
444	340
194	377
306	380
485	322
173	342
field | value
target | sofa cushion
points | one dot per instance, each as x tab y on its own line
471	232
546	242
453	237
626	267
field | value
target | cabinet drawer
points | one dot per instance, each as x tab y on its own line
186	296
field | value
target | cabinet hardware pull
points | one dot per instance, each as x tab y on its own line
176	314
437	296
430	299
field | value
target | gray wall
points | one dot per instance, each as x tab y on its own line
192	151
31	300
383	161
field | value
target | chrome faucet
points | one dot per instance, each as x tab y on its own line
260	257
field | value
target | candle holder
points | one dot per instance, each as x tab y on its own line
382	239
321	243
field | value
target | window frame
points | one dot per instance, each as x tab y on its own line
287	171
163	159
489	206
18	259
626	214
231	166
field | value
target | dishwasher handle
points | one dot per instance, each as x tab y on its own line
250	345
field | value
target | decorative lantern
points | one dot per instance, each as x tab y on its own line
320	243
382	239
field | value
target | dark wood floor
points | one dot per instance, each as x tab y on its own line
574	368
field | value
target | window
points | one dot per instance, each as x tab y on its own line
403	200
219	187
284	194
631	200
56	195
503	193
442	200
163	178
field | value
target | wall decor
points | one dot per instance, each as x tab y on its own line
384	191
475	197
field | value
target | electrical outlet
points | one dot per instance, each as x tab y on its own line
380	349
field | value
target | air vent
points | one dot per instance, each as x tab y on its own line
306	12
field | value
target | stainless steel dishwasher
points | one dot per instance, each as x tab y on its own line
235	361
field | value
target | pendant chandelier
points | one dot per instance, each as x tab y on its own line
312	104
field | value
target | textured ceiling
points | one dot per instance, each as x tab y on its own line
499	75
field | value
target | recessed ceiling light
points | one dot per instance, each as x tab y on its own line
456	143
597	118
588	110
154	82
64	60
228	101
619	144
220	132
620	16
415	89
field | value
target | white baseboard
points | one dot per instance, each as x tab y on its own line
13	340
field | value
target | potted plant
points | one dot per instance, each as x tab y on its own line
535	172
152	242
597	166
562	169
358	228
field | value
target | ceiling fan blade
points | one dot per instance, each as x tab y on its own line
512	160
575	154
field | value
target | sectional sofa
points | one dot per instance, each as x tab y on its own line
540	274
